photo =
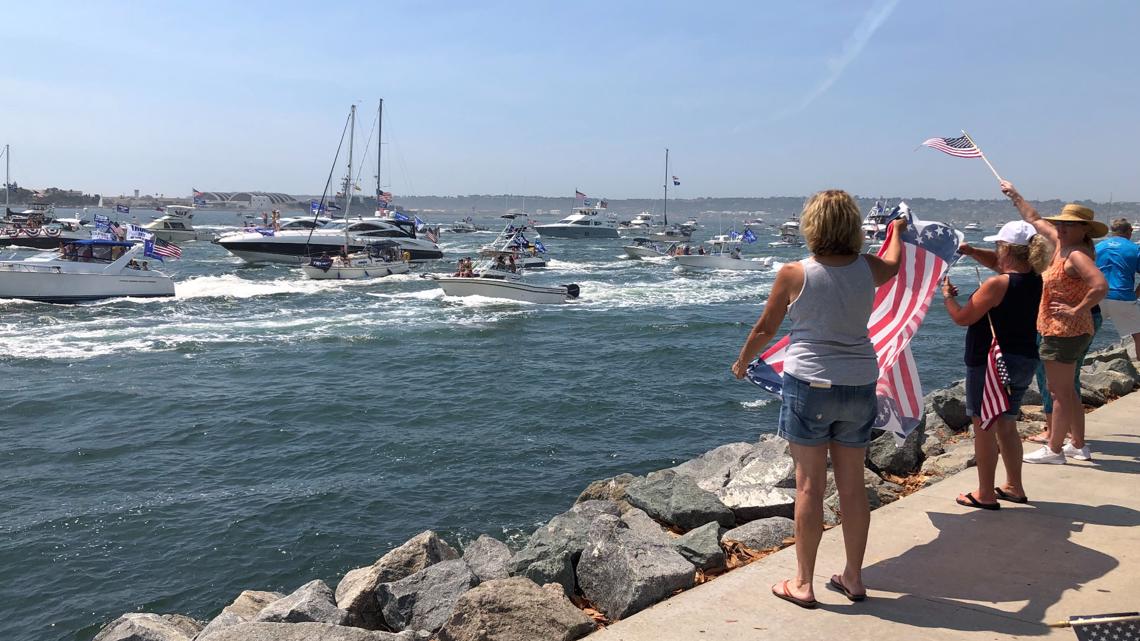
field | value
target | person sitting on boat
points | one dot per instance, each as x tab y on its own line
133	264
469	269
512	262
88	254
407	256
701	250
735	253
500	262
145	266
461	267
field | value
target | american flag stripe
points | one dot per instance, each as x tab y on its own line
959	147
164	248
994	397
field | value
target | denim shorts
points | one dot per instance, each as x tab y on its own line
1021	370
842	414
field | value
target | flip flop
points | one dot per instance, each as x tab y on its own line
1038	438
1012	498
837	585
973	502
786	595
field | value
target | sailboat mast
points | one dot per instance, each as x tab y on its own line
379	146
666	208
348	180
7	176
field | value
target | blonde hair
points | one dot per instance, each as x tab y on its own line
831	224
1038	253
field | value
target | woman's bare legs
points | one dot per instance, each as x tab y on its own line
1066	404
811	481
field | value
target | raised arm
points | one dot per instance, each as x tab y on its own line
789	282
987	257
1029	213
886	267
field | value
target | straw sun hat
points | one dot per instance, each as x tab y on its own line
1078	214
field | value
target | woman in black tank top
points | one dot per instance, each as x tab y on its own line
1005	304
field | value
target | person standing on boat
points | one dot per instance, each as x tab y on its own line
830	370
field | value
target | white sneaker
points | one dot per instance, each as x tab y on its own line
1045	455
1082	454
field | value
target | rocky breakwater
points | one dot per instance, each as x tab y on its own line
628	542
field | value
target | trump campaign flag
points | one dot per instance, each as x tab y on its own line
929	249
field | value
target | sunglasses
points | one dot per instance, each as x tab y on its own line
1066	223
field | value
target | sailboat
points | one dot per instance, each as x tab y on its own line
378	258
667	233
645	245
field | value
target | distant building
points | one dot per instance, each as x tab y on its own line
248	199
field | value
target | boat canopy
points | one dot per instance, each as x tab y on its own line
92	242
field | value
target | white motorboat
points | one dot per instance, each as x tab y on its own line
381	258
465	226
691	225
175	225
641	225
648	248
84	270
528	254
875	224
972	226
724	253
584	222
789	234
494	279
294	246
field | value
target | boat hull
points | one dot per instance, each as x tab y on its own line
299	253
633	251
510	290
714	262
577	231
355	272
61	287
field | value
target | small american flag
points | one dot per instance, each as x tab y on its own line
960	147
432	233
579	195
995	391
166	249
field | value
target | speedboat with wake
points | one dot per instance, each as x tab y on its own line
381	258
649	248
84	270
789	234
724	253
495	279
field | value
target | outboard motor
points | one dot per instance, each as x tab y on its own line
572	290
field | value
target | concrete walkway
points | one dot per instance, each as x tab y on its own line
940	571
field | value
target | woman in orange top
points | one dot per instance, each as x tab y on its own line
1072	286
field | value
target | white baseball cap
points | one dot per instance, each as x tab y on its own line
1015	232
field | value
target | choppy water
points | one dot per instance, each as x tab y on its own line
260	430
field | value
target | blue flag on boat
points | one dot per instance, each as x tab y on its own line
315	207
748	236
732	235
539	246
122	209
148	250
419	223
398	216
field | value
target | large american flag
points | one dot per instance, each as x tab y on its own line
995	397
960	147
928	251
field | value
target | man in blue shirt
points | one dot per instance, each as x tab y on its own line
1119	258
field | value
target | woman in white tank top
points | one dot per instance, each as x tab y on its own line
830	371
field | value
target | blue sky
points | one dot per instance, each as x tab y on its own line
753	99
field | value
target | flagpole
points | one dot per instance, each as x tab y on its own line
982	154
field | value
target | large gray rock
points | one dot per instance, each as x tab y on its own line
701	547
552	552
488	557
757	501
949	403
1092	397
144	626
423	601
956	459
712	469
356	592
1122	364
244	608
611	489
885	491
763	534
644	526
307	632
769	463
1108	382
622	573
312	602
677	501
514	609
886	454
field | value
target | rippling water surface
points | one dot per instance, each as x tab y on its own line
260	430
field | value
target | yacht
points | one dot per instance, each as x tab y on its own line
381	258
84	270
789	234
175	225
639	226
875	224
37	233
724	252
691	224
584	222
493	278
528	254
294	245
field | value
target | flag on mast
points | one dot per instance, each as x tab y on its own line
676	181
